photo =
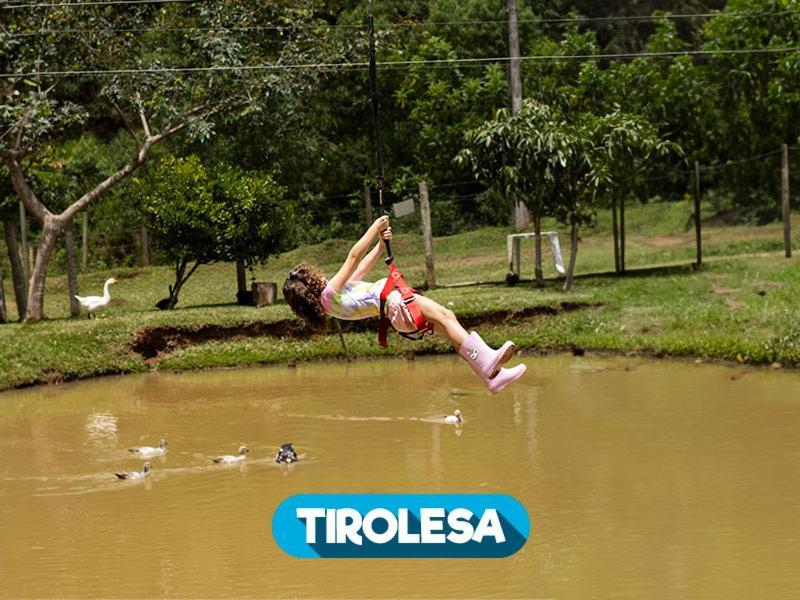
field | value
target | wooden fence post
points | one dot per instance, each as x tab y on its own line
787	216
622	234
615	230
427	235
697	230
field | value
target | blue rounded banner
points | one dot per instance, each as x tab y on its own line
400	525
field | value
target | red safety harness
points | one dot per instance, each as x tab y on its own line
396	280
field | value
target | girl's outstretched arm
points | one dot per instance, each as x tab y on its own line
365	266
356	253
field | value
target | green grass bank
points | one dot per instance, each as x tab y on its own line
742	305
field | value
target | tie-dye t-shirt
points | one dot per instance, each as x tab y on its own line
357	300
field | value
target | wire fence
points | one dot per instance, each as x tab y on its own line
656	233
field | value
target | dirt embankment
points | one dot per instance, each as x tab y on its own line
151	342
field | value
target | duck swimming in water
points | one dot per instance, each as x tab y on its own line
286	454
159	450
145	472
454	419
227	458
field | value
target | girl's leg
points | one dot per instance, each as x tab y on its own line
484	360
443	320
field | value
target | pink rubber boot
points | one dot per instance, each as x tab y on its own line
482	358
505	377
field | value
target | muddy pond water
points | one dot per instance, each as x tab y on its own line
642	479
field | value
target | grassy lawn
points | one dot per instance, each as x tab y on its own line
742	305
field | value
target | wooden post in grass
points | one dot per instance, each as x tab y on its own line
72	271
615	229
368	203
622	234
787	217
697	231
145	247
85	242
427	235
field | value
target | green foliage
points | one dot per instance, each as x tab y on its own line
218	213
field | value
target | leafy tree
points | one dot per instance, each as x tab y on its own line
440	104
626	145
200	216
519	154
42	103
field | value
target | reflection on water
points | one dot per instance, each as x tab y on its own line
642	479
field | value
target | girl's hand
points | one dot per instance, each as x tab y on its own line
380	224
386	234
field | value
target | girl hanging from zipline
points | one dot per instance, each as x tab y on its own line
348	296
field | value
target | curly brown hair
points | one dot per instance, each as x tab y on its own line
302	290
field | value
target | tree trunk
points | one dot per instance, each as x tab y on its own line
145	247
23	236
622	234
615	228
72	271
50	231
52	224
241	276
181	277
573	255
3	313
17	270
85	242
537	228
243	295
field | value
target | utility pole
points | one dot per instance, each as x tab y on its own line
520	217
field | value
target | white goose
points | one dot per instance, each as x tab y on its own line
145	472
454	419
228	459
94	303
159	450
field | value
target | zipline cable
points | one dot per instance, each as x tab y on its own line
93	3
444	62
374	97
411	24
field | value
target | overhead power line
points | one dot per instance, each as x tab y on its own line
92	3
351	27
394	64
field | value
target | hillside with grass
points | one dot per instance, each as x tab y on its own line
740	306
